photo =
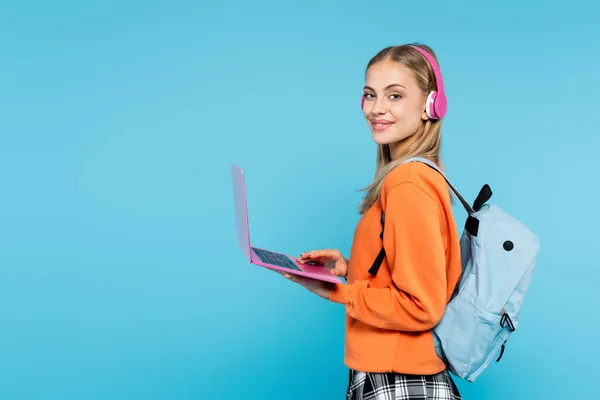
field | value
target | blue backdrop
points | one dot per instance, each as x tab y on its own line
120	277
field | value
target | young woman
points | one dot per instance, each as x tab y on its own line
389	346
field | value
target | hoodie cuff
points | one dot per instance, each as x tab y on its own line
340	293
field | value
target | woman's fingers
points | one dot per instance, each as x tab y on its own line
320	254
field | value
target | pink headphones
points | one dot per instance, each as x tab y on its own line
437	104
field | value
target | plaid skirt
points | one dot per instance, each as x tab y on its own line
393	386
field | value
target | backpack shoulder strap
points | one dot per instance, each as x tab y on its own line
379	259
471	224
465	204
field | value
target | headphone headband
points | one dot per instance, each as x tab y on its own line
434	66
437	103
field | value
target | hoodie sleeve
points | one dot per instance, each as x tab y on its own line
415	299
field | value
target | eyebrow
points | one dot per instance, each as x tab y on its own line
387	87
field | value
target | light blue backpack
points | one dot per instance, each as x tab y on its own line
498	258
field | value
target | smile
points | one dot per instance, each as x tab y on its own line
380	125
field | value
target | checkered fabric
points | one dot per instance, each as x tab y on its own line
392	386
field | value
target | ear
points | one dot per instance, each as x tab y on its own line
424	115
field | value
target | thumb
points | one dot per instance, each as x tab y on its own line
289	276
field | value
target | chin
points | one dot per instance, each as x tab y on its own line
382	138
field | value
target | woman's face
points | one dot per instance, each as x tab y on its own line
394	105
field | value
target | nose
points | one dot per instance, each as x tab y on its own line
380	106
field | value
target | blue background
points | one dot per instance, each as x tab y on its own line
120	277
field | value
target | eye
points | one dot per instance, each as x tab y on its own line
368	95
395	96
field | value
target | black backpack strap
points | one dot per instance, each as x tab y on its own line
379	259
472	223
484	195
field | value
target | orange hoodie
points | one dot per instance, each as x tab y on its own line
389	316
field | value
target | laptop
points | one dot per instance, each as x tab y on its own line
262	257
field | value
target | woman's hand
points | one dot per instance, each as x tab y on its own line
331	259
320	288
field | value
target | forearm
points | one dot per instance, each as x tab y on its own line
389	308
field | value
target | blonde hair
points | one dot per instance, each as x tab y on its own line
427	140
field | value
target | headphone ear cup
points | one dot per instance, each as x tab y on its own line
436	105
430	105
440	105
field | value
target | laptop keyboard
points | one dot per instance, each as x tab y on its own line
269	257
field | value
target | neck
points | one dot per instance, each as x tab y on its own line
398	149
